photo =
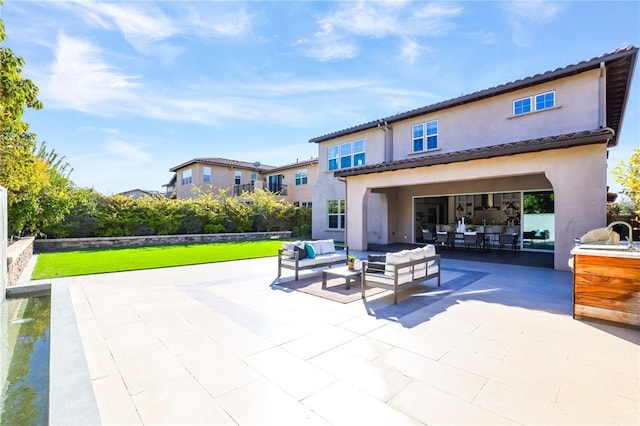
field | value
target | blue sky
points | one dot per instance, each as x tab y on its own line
134	88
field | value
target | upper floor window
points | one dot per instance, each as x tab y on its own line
425	136
237	177
347	155
187	177
206	174
301	177
534	103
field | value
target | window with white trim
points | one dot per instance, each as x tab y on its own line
538	102
187	177
425	136
302	177
237	175
336	214
206	174
350	154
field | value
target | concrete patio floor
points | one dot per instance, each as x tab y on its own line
224	344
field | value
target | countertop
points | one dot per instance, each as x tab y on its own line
602	250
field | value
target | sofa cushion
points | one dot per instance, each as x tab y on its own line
330	258
396	259
326	246
376	262
311	251
388	280
289	245
304	263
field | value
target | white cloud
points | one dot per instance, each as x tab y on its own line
338	34
410	51
80	79
203	20
146	26
126	151
536	13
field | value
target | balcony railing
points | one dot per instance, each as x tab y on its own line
239	189
280	189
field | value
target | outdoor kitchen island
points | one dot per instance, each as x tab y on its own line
606	284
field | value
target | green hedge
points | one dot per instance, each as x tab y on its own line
95	215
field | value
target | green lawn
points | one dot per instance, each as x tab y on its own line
95	261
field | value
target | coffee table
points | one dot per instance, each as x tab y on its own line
341	271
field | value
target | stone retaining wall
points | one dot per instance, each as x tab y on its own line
18	255
44	245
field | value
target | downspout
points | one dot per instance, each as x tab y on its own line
602	95
388	140
346	210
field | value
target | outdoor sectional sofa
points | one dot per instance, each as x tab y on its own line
400	270
299	255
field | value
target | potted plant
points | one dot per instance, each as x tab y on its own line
351	259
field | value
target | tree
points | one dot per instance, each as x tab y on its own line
628	175
37	180
16	92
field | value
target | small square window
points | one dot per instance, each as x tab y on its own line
545	100
522	106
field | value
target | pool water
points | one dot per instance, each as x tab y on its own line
24	361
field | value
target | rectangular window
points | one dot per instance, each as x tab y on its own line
545	100
301	177
254	177
336	214
534	103
522	106
425	136
346	155
237	177
187	177
306	204
206	174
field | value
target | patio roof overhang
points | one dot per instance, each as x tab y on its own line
586	137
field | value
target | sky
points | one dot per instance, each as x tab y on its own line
134	88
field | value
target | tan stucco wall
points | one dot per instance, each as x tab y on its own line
298	193
491	121
577	176
222	177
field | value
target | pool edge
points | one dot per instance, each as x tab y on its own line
71	396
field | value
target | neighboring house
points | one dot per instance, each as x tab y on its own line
294	181
171	187
139	193
527	157
214	175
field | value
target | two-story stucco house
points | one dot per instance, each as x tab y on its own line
214	175
527	157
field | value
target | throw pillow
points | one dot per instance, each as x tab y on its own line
375	263
311	252
302	252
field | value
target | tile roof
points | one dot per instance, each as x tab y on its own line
532	145
217	161
310	161
620	65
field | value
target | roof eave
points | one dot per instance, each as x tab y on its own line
630	51
512	148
